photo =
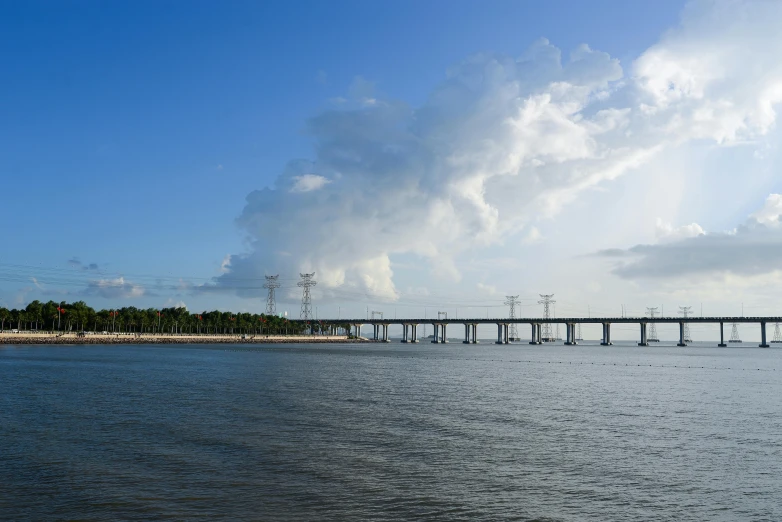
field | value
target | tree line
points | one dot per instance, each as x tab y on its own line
79	317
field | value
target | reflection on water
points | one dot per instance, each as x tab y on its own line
390	432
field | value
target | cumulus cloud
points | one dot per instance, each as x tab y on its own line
170	303
771	213
501	143
753	249
114	288
667	232
308	182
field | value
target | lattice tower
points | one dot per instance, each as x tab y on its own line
306	299
734	334
652	326
271	284
685	311
512	301
546	301
777	334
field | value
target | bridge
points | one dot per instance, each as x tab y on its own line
410	327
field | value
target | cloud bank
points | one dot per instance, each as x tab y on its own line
506	141
754	248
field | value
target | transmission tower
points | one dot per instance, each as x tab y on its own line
546	301
271	284
685	311
734	334
652	337
777	334
512	301
306	299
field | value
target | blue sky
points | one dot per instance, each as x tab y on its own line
131	133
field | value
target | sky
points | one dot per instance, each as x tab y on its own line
416	156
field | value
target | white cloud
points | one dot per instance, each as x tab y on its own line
532	236
170	303
771	213
717	75
225	265
752	250
666	232
504	142
114	288
308	182
487	289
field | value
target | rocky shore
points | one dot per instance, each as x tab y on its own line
69	338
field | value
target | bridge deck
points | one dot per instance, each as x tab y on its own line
560	320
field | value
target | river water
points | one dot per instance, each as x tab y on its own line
390	432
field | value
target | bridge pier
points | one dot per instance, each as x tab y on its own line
535	339
409	337
405	338
470	333
644	341
722	335
440	335
570	330
606	335
502	333
763	343
681	335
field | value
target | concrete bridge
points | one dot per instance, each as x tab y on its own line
410	327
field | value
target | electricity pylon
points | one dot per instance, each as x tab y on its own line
546	301
271	284
652	337
777	334
306	299
685	311
512	301
734	334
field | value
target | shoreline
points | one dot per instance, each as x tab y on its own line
27	338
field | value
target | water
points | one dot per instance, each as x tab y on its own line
391	432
